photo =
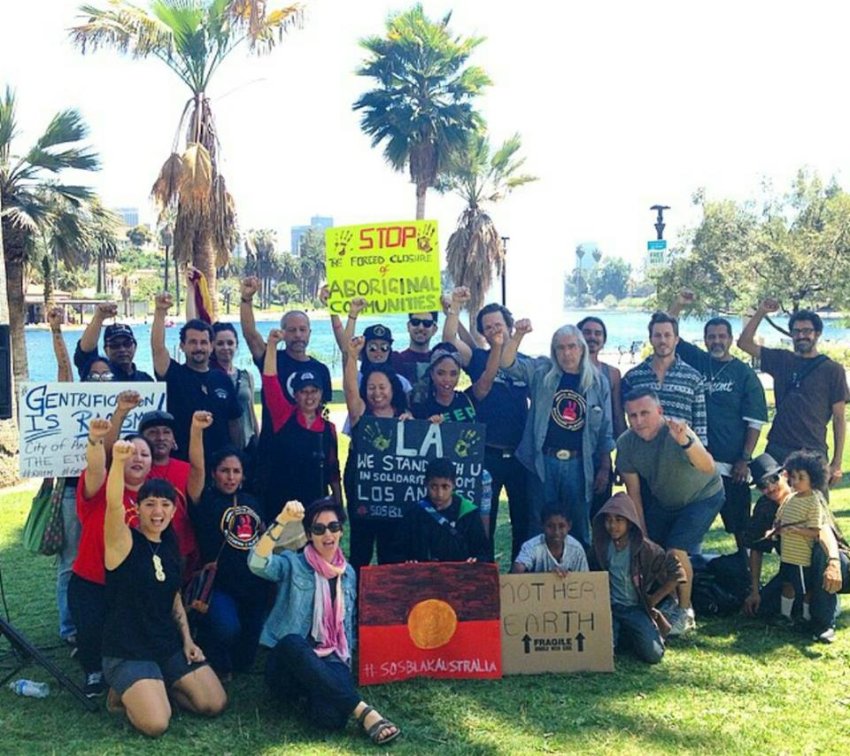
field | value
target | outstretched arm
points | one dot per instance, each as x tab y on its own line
55	318
88	341
117	539
161	358
509	352
127	401
482	386
460	296
350	383
255	342
685	298
197	473
95	456
747	339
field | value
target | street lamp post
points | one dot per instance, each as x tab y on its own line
167	238
659	220
505	240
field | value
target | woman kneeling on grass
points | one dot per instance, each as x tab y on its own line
310	627
146	641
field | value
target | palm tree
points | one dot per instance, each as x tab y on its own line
193	38
422	106
478	176
34	204
312	262
261	245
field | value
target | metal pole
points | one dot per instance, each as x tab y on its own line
505	240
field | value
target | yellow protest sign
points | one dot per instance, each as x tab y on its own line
395	266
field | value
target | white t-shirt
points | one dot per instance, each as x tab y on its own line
536	557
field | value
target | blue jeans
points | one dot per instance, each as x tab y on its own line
684	528
825	607
508	473
633	628
564	485
229	632
65	559
293	671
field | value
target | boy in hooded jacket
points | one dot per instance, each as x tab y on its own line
640	573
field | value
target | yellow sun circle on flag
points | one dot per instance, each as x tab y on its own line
431	623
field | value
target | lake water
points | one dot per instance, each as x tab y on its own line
624	327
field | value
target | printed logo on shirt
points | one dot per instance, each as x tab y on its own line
241	527
221	393
569	409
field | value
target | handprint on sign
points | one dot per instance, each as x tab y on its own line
374	435
342	242
423	241
467	442
569	411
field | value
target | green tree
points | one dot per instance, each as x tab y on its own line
610	278
422	105
480	176
261	245
140	235
35	203
312	263
193	38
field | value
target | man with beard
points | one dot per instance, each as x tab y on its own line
736	410
413	362
504	410
679	387
193	386
809	387
595	336
119	344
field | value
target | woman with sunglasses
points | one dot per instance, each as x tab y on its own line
147	647
310	630
226	526
379	395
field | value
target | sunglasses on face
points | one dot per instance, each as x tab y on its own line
98	377
424	322
378	348
318	528
767	482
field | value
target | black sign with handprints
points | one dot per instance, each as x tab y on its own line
390	458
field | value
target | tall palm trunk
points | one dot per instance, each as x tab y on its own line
421	190
8	431
203	258
14	251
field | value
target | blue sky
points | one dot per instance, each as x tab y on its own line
620	105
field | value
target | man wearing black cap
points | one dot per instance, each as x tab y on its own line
830	566
119	344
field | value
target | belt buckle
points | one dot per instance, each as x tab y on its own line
563	454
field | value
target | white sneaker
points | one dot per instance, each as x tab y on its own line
684	623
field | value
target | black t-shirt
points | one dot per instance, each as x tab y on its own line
505	409
567	416
81	359
287	367
461	410
139	623
189	391
226	528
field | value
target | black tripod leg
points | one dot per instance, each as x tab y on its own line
28	652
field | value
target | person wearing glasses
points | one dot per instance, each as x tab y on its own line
810	388
119	344
413	362
830	558
310	629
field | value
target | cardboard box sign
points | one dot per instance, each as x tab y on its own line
553	624
429	619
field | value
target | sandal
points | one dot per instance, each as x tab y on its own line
376	730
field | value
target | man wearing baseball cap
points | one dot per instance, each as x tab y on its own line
119	345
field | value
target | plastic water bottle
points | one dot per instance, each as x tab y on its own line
30	688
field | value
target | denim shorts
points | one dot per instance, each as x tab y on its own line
684	528
123	673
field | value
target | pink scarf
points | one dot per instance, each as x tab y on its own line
328	617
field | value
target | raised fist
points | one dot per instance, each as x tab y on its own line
202	419
292	511
163	301
249	286
98	428
128	400
55	318
355	346
356	306
106	310
522	327
769	305
122	451
275	336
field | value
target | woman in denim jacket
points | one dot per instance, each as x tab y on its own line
310	629
567	440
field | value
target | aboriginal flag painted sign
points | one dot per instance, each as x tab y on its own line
390	457
429	620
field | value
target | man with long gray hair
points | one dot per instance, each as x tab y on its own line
567	441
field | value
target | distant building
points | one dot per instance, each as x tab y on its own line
319	222
129	216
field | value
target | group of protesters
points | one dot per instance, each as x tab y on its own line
250	514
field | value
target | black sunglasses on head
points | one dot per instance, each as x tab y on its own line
765	482
318	528
425	322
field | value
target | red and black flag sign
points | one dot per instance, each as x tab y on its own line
429	619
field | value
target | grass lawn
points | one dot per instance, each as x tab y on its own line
737	685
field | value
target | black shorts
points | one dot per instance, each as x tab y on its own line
122	673
736	509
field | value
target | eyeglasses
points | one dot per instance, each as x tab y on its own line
121	344
424	322
318	528
378	348
766	482
98	377
802	331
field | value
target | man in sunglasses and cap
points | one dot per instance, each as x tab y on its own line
119	344
830	556
413	362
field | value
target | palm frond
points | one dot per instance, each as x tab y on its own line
123	27
164	190
8	125
196	178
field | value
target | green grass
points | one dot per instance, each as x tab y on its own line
738	685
